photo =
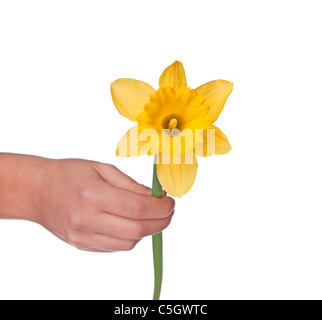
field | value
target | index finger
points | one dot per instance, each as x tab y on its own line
119	179
133	205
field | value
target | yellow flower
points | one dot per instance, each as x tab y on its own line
174	122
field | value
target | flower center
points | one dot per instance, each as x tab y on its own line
173	111
173	123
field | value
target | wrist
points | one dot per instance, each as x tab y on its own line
21	180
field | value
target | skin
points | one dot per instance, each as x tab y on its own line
90	205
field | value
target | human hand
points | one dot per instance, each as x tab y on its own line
94	206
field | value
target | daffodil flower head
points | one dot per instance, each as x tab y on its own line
175	123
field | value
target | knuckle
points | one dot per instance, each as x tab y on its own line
138	230
73	239
112	167
77	222
139	188
137	208
86	194
129	245
132	185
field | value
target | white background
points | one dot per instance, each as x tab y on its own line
250	228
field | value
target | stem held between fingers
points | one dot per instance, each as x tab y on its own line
157	241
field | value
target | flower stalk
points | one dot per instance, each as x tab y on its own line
157	241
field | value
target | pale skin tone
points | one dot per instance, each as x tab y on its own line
90	205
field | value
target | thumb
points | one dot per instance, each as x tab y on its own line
118	179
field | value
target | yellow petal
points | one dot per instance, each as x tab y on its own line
176	179
216	93
214	142
221	142
173	76
130	96
132	145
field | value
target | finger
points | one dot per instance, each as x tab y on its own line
118	179
130	204
91	249
129	229
100	243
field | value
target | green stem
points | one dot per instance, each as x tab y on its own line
157	241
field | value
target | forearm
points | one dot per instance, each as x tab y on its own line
20	182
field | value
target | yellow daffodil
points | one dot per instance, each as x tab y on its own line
175	123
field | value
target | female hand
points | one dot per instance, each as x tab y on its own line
90	205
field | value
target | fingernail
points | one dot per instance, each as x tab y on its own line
172	211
